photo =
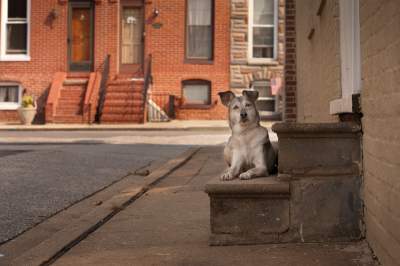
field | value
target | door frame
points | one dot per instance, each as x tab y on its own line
130	68
85	66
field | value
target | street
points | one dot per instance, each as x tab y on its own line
43	173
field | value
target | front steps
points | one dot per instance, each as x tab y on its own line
123	102
314	198
70	104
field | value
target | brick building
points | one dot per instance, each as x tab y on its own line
257	52
58	51
346	66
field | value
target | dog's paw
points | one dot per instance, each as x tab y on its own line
227	175
245	176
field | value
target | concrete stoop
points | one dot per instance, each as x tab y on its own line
314	198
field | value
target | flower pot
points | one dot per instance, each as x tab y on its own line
27	115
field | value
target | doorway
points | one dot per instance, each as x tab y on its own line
132	37
80	36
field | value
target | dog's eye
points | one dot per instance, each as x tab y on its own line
248	105
236	107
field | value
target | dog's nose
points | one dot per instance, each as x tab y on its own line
243	115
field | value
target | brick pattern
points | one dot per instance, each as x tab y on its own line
123	102
242	72
290	103
167	45
380	97
48	49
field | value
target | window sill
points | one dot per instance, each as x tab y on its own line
9	106
346	104
198	61
257	61
196	106
15	58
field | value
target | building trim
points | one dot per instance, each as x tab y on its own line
11	106
3	36
250	58
349	56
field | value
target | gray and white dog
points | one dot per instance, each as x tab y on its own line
249	152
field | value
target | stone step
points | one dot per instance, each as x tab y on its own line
251	211
122	110
123	103
75	81
121	118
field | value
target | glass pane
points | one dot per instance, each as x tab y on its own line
199	12
17	8
132	32
196	94
266	105
263	90
263	36
263	52
9	94
81	23
264	12
16	38
199	42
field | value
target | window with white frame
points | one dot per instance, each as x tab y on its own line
267	102
263	20
10	96
14	29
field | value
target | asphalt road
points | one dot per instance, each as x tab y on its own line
59	168
37	181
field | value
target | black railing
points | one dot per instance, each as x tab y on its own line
104	68
148	80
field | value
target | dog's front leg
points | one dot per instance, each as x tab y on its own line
234	169
259	169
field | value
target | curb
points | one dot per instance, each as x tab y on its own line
59	243
33	129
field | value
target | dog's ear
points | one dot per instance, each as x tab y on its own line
226	97
250	95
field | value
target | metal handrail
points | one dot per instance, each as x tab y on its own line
105	72
148	80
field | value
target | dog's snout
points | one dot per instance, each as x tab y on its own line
243	114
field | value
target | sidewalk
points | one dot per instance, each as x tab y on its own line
172	125
169	225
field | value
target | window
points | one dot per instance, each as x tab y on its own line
199	29
196	92
267	103
262	30
14	30
10	96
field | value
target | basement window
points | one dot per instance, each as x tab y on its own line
14	30
263	30
196	93
10	96
268	102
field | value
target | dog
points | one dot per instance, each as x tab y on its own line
248	153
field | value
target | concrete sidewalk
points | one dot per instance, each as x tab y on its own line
172	125
169	225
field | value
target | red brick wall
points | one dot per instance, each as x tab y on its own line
290	62
49	51
167	46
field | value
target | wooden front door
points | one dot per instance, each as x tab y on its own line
80	36
132	22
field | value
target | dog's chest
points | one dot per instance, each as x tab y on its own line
246	152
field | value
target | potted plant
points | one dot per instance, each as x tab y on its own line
27	111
